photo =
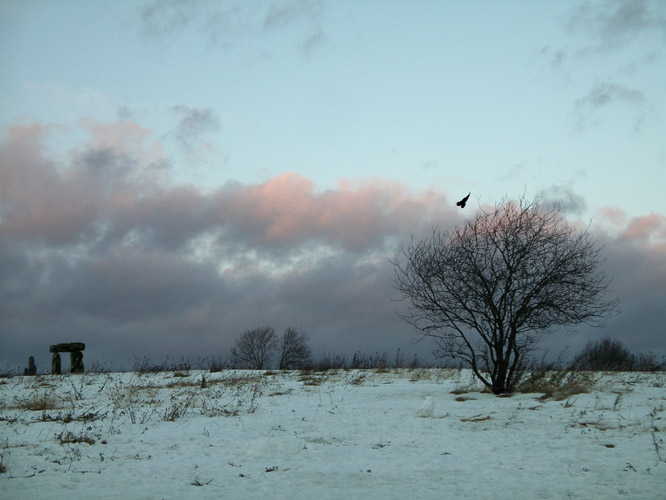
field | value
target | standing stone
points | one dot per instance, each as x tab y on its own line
32	367
76	360
55	364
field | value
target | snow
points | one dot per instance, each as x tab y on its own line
428	408
418	434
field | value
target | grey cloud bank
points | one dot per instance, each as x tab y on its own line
100	247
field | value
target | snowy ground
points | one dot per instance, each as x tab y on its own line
345	434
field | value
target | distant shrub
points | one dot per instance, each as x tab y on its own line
330	362
361	361
610	354
217	365
365	362
168	365
6	371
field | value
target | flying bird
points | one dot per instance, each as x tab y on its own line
463	202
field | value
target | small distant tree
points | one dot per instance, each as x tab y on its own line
487	290
254	348
294	350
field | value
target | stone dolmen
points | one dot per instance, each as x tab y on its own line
75	355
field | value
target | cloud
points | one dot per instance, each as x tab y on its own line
166	17
123	137
65	201
224	24
614	216
638	271
556	56
115	185
647	227
98	246
607	95
124	113
626	41
565	198
193	123
614	23
283	14
307	13
605	29
221	24
638	268
357	216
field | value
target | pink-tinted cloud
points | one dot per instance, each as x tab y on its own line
646	227
60	200
109	189
124	137
613	215
108	193
37	199
288	209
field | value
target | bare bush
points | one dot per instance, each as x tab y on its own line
330	362
366	362
610	354
168	365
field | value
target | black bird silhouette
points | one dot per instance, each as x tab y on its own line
463	202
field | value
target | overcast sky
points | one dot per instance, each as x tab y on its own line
173	172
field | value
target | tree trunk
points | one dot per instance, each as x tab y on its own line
500	380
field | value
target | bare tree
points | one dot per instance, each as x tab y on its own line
294	350
487	290
255	347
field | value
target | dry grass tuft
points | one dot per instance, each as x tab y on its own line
419	374
38	402
69	437
358	379
557	384
312	379
476	418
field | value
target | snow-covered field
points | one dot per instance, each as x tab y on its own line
408	434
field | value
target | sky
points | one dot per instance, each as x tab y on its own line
174	172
